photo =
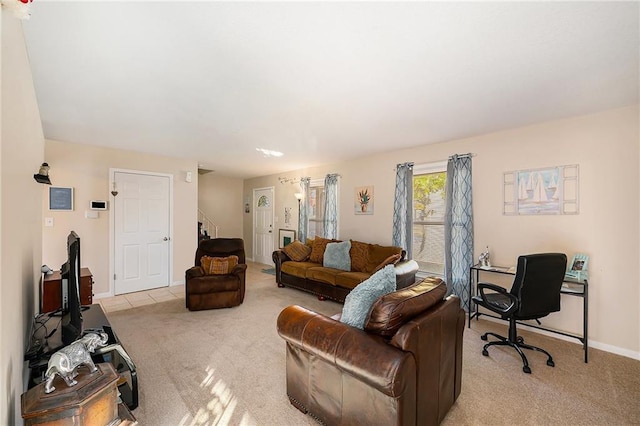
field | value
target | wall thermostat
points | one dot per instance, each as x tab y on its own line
99	205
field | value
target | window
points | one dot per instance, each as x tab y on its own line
316	208
428	217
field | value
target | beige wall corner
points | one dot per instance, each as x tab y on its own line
86	169
21	153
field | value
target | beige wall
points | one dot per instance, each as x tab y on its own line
86	169
220	198
605	145
21	153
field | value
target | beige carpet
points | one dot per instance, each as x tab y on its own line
227	367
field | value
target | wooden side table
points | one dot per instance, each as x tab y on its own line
93	401
51	290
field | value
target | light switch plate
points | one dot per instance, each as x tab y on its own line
48	221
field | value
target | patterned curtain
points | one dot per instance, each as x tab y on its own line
458	227
303	212
403	208
331	206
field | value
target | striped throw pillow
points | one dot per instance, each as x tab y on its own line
218	265
297	251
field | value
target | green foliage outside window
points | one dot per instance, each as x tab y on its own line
424	187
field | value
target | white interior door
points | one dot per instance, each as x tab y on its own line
263	225
141	232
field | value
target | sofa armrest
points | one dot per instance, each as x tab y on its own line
366	357
279	257
406	273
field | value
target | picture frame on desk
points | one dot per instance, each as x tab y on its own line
578	267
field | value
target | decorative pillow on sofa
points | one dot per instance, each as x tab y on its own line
319	245
336	255
377	254
218	265
391	260
297	251
358	303
358	254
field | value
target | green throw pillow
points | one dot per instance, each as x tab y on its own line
358	303
336	255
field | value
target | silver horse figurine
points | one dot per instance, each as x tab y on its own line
484	260
66	361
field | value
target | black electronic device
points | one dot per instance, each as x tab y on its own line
70	288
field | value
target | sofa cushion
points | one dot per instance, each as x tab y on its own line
218	265
351	279
319	246
358	253
297	269
391	260
358	302
297	251
322	274
377	254
336	255
392	310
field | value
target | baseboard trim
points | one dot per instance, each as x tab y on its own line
592	344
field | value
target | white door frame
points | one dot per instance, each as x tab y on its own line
112	225
273	218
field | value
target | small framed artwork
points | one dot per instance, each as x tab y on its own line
60	198
578	266
286	237
363	200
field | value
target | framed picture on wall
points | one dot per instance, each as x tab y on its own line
286	237
60	198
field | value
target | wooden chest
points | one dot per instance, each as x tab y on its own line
93	401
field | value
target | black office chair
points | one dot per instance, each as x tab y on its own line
535	293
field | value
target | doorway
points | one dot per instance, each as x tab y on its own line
263	225
141	230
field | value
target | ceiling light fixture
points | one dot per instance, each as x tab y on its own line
269	152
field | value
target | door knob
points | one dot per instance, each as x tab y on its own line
166	239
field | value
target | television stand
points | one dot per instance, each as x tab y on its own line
47	339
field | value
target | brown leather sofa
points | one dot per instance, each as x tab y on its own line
335	284
216	291
404	368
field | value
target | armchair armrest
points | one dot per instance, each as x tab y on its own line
193	272
238	269
492	303
365	357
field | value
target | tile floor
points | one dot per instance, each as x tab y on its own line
140	298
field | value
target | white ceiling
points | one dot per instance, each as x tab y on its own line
321	82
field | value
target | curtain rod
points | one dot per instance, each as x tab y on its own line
470	154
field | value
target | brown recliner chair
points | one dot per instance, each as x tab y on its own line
216	291
404	368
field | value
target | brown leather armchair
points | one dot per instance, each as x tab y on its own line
216	291
404	368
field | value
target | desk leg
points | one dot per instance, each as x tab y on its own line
469	302
585	321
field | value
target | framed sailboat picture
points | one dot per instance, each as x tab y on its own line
550	190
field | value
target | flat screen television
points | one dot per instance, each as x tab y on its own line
71	307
